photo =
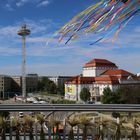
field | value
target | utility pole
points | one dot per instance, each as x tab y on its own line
23	32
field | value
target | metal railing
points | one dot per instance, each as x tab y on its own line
49	133
71	107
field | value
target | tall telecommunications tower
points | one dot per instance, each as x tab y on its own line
23	32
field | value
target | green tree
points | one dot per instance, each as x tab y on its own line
17	126
51	87
107	97
3	128
28	123
47	85
72	121
41	121
85	122
85	94
61	90
55	122
123	95
130	94
111	97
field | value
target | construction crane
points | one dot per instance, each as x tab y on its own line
24	32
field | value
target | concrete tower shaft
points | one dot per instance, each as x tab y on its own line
23	32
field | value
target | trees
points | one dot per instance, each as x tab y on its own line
85	94
28	123
41	121
110	97
73	121
61	89
123	95
55	123
85	122
47	85
3	128
17	126
130	94
107	96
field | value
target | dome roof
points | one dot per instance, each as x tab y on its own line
100	63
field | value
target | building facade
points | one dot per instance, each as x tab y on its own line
31	82
59	80
5	86
97	75
74	85
16	84
11	85
96	67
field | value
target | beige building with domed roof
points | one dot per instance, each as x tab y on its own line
97	75
96	67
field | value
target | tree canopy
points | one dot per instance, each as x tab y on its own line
47	85
85	94
123	95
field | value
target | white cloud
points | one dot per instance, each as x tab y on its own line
12	4
37	39
22	3
9	31
137	29
73	64
65	59
10	51
44	3
10	41
9	7
39	27
11	69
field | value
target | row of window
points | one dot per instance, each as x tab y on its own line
98	68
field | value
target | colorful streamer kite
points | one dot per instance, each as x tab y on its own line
104	17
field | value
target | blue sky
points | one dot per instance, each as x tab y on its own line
44	18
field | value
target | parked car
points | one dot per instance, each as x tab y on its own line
90	102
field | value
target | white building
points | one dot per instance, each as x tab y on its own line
96	67
59	80
138	74
97	75
74	85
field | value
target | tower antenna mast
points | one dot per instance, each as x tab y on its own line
23	32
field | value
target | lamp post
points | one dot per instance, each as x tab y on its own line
23	32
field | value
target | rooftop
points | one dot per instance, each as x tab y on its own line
100	63
117	72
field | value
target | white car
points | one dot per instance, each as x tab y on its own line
35	102
41	102
30	99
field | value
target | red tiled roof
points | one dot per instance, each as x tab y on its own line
81	80
108	79
99	63
117	72
90	80
109	76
